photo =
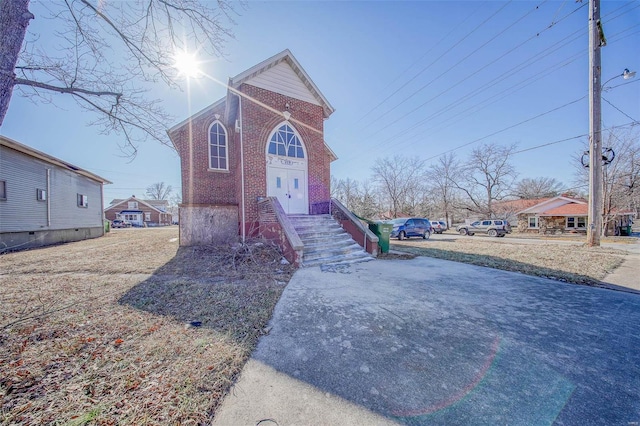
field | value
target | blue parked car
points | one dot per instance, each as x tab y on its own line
406	227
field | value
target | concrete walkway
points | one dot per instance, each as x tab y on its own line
626	275
433	342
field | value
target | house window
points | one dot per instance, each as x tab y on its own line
533	221
579	222
132	205
83	201
3	189
41	195
286	143
147	216
218	153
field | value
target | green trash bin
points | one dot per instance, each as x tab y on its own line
382	231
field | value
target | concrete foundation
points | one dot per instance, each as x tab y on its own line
208	224
14	241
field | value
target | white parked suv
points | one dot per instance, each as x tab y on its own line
438	226
493	228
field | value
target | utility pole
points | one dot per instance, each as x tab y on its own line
596	40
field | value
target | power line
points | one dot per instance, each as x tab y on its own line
621	14
624	84
571	138
508	91
479	70
513	70
621	111
454	29
489	64
508	128
483	103
549	143
445	53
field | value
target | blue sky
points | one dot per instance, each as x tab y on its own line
414	78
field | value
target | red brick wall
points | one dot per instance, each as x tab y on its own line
156	217
199	184
259	122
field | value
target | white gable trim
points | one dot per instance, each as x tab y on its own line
284	56
282	79
113	206
550	204
197	115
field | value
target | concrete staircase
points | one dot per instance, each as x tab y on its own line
325	242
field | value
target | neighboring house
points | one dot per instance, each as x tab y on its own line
139	212
45	200
263	141
508	210
563	214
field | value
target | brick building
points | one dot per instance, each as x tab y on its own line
265	138
139	212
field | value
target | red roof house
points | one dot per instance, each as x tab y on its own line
563	214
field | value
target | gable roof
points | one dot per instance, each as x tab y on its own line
516	205
198	114
571	209
546	204
17	146
154	204
251	76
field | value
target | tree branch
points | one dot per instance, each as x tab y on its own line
69	90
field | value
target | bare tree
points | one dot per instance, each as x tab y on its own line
334	185
103	52
369	205
540	187
159	191
357	197
347	192
487	177
398	178
442	177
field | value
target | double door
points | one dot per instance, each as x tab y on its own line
290	187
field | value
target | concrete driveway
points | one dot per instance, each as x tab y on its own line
428	341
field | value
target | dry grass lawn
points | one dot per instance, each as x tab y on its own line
128	329
569	263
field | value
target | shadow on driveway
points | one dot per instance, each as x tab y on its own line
427	341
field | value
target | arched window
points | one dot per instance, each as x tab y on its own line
286	143
218	152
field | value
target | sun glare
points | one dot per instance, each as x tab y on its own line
187	64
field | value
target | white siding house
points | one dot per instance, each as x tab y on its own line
44	200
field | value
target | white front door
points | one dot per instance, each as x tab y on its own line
289	186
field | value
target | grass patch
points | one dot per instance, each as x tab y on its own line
130	329
568	263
